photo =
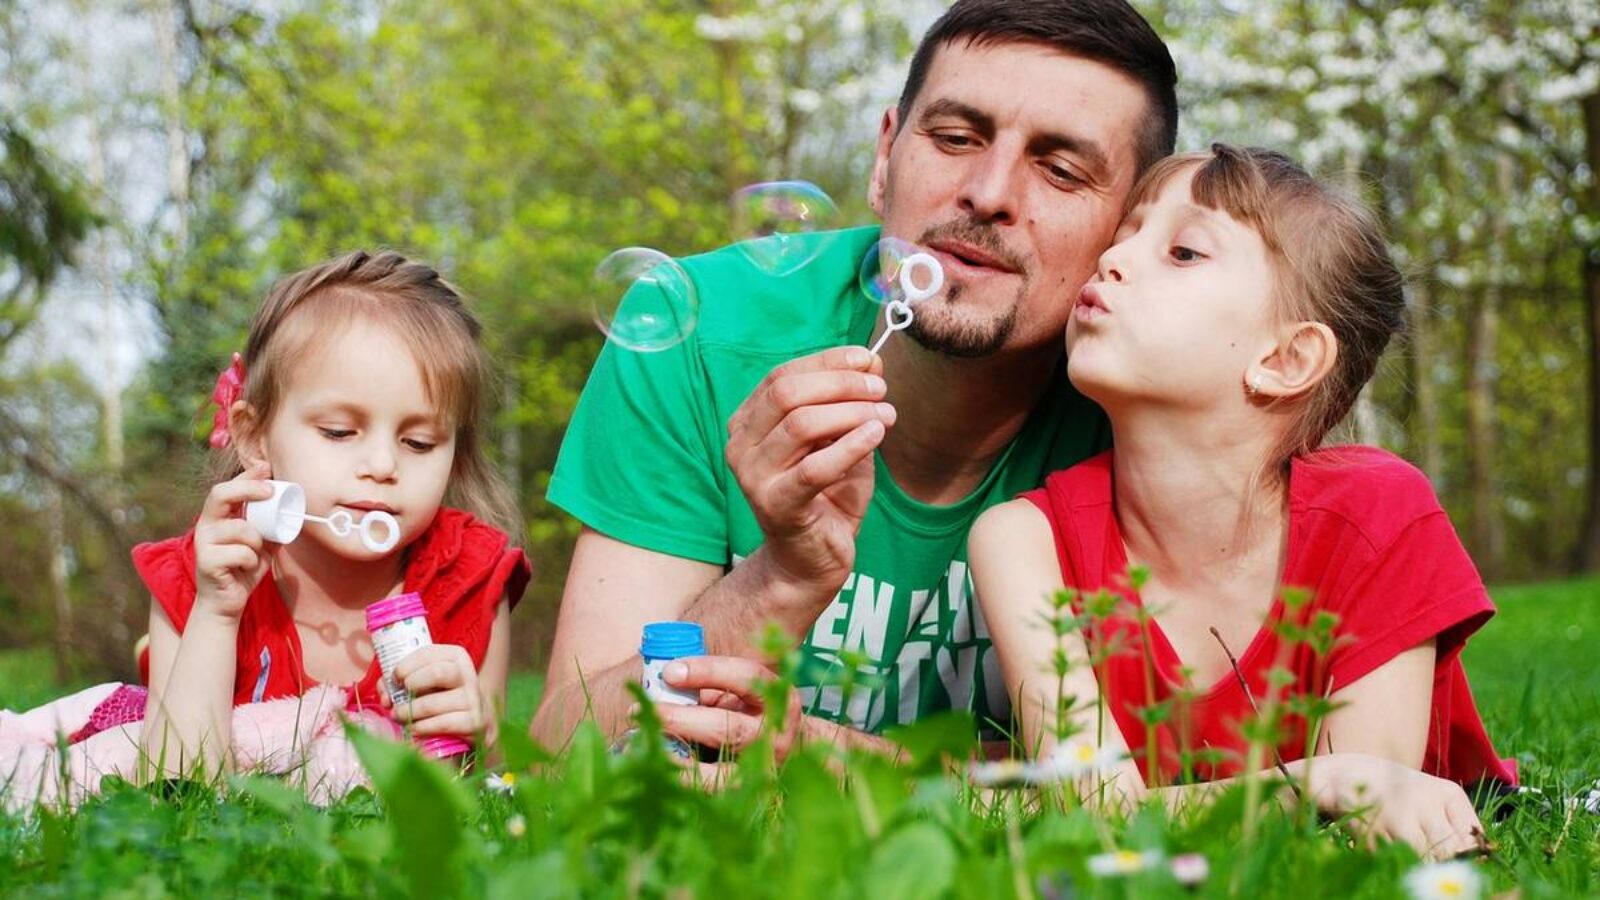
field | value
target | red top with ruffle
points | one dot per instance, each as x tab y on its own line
1369	542
462	568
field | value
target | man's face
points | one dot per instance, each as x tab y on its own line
1012	166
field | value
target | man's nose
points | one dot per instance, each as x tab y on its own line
990	191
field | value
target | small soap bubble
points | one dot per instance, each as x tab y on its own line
883	265
777	224
643	300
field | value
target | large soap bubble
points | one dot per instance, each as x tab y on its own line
644	300
776	224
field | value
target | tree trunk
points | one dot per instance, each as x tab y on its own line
1589	541
108	379
1426	394
1488	521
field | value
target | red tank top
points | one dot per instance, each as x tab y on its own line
460	566
1367	539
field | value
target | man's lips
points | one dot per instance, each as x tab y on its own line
967	256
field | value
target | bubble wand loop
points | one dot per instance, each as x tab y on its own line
898	315
280	518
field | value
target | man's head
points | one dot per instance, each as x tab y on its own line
1022	126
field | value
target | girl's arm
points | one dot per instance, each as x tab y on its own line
1379	732
188	728
188	720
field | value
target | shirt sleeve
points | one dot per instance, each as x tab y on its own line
167	570
642	458
1422	585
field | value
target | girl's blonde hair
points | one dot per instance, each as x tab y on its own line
429	316
1330	264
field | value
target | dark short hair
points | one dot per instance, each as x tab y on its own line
1109	32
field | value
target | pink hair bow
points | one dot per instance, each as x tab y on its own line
230	385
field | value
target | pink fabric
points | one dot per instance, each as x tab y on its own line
126	704
300	738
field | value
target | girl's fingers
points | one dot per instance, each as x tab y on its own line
460	722
227	498
425	706
437	675
234	531
231	557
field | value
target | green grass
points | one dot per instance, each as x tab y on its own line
598	823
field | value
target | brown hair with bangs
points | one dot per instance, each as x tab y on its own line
427	314
1330	264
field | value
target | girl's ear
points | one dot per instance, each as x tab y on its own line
1297	365
245	428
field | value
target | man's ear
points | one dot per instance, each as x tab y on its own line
878	185
1297	365
244	426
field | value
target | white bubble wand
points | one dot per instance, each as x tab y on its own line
898	314
280	518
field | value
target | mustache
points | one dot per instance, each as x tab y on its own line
979	234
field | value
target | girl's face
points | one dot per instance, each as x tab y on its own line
355	429
1180	308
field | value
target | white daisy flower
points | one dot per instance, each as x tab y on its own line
1190	868
1119	863
1003	773
1074	759
1455	880
501	782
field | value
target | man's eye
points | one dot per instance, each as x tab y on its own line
1184	254
953	141
335	434
1062	175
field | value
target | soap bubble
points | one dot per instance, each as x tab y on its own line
777	224
885	263
644	300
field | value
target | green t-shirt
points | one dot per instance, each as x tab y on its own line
642	462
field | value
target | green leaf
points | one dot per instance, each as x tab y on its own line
951	734
427	807
916	861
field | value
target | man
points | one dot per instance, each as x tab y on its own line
771	470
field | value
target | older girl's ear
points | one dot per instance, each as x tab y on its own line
1297	365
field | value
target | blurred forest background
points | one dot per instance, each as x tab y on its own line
163	161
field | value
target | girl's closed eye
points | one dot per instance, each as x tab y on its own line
334	433
419	445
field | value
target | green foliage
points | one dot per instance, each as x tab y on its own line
597	823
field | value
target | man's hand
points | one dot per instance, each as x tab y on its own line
732	713
801	448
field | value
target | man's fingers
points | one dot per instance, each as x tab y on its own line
824	468
734	674
711	727
837	374
810	428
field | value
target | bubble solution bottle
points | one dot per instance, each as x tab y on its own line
662	643
399	627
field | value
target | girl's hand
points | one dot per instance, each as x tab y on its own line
229	557
1396	802
445	698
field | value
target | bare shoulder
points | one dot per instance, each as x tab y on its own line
1011	524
